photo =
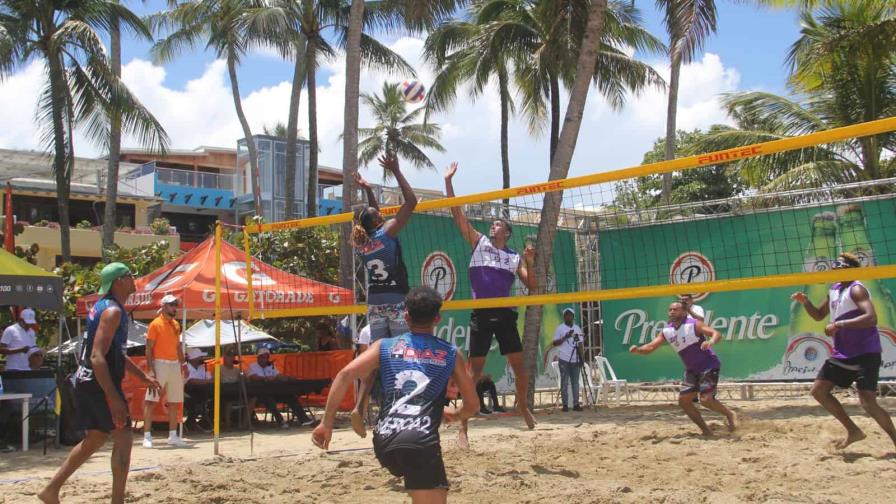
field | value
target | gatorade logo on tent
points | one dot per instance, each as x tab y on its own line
438	272
692	267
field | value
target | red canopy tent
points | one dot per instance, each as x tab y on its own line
191	278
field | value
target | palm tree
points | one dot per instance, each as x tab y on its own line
82	91
539	43
225	27
350	135
588	58
395	133
842	70
110	214
688	23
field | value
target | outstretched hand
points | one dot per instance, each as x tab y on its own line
451	170
361	181
799	297
389	163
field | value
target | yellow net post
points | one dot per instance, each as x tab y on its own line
217	422
251	296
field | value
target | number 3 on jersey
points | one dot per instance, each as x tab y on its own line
377	269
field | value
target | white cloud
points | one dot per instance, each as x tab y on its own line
202	113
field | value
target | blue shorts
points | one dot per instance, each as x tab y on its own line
386	321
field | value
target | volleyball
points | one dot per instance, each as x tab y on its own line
413	91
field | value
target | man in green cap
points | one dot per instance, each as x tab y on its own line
102	409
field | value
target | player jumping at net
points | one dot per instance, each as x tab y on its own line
857	351
701	377
493	268
414	370
376	240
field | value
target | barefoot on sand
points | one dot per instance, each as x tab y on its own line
358	424
732	422
851	438
527	416
48	497
462	441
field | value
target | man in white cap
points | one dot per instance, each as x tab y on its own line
195	402
164	360
568	336
17	340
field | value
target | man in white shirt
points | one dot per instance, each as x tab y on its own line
196	375
568	336
17	340
695	311
263	370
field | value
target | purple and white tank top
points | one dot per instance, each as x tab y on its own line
850	342
686	341
492	270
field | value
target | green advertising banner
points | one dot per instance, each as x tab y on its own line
444	268
765	336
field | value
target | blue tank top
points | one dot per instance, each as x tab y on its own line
414	373
387	276
116	354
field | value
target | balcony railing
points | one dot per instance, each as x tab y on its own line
188	178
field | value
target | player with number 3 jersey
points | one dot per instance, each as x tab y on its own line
376	240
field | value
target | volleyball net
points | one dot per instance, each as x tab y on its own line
609	243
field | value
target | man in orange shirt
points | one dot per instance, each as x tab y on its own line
164	359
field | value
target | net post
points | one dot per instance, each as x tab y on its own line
249	293
217	422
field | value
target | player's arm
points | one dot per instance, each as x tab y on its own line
394	226
526	269
362	367
868	318
648	347
817	313
713	335
149	380
368	190
466	230
467	391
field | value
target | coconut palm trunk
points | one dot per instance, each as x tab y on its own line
350	134
547	226
247	132
504	90
61	155
555	116
292	129
311	67
671	117
110	215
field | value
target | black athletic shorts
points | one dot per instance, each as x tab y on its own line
863	369
704	382
93	409
421	467
497	322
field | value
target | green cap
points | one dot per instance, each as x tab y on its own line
110	273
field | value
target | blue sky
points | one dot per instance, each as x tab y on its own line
191	98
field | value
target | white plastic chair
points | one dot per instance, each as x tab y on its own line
608	380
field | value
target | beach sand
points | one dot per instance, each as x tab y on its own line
631	454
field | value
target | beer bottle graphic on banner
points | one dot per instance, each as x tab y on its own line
854	239
807	346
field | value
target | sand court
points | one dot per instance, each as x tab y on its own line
630	454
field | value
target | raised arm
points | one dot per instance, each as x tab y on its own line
526	269
363	366
713	335
368	190
393	226
817	313
466	230
648	347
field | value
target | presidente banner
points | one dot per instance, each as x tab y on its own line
765	336
445	269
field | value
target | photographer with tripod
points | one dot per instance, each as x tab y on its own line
568	336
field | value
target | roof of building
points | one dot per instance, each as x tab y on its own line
23	163
77	188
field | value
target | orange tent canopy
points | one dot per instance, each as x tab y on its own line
191	278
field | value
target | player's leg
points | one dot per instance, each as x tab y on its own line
829	376
93	441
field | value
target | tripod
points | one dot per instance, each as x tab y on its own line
589	394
